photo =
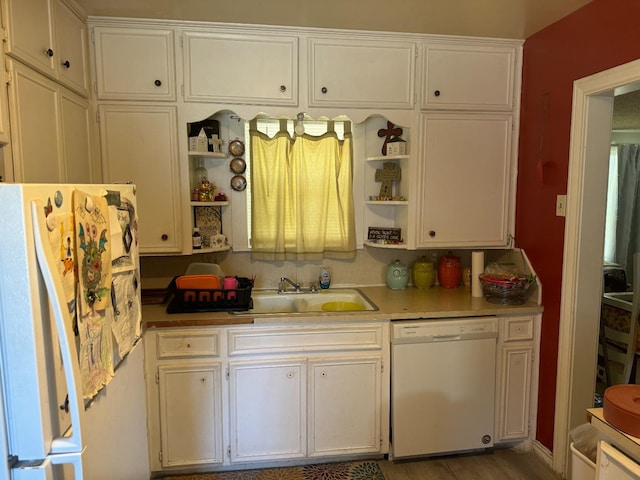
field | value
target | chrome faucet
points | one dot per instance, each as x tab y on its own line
282	287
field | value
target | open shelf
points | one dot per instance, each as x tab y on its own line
208	154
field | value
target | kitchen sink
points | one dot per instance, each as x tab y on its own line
331	300
623	300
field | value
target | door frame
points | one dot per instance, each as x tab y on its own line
583	248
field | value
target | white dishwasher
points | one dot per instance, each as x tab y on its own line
442	385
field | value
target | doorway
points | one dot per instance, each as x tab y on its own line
583	247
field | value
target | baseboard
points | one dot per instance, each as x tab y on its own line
543	453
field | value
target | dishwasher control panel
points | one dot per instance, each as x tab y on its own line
442	329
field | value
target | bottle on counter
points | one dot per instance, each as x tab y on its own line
325	278
196	239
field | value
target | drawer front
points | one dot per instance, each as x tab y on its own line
517	328
188	344
304	339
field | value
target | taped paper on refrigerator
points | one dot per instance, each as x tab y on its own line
61	239
123	224
93	249
125	326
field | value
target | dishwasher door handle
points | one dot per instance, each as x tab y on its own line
446	338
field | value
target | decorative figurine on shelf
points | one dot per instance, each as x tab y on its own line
391	132
220	197
389	173
216	143
206	191
201	142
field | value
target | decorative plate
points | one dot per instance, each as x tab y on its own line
236	147
238	165
238	183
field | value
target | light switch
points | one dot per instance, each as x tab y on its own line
561	205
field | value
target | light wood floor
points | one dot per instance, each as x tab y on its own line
498	464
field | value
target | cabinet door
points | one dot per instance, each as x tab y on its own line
515	387
190	414
76	143
466	180
240	69
30	33
134	64
612	464
138	144
466	77
71	46
35	127
344	406
377	74
268	410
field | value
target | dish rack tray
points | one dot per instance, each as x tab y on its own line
212	300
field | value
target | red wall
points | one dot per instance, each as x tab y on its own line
600	35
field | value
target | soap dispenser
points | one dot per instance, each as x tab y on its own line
325	278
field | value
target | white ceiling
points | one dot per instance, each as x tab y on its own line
517	19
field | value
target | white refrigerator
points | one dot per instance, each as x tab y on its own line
72	402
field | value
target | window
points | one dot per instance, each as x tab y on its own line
301	199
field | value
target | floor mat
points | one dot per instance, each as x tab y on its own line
321	471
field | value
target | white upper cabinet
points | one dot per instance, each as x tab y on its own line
50	126
139	144
134	63
369	73
465	180
49	37
71	33
246	69
468	77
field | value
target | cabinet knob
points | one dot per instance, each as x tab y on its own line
432	233
289	374
164	237
188	345
437	93
66	64
203	380
157	83
48	52
323	89
283	88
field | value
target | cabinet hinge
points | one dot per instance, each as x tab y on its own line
381	442
9	75
92	36
160	456
157	378
182	90
382	366
97	117
5	35
229	451
181	40
226	373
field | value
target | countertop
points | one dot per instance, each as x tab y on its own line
408	304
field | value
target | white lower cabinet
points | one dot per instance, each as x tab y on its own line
257	394
185	399
190	414
612	464
344	405
267	409
514	377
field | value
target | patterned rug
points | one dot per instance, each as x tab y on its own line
320	471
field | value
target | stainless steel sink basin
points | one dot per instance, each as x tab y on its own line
331	300
623	300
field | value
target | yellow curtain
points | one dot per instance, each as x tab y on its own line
302	197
